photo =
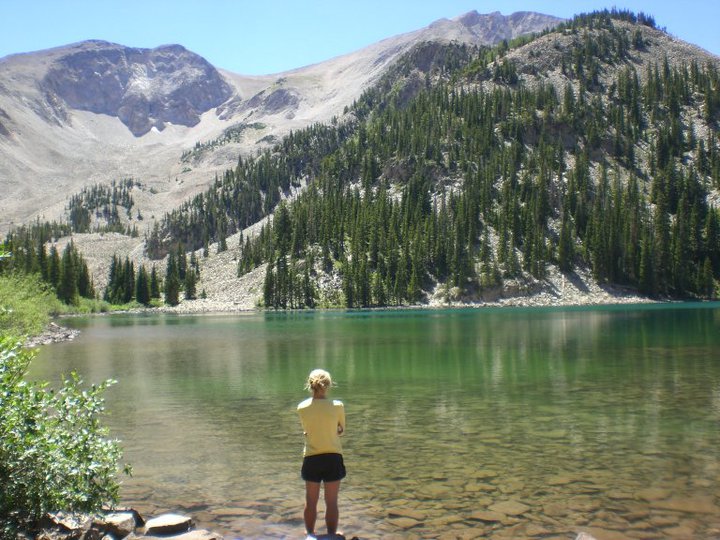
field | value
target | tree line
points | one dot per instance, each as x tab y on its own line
25	251
66	273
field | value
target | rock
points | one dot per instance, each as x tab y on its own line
67	522
583	505
407	512
168	524
584	536
692	505
606	534
555	509
53	333
473	487
510	508
653	494
662	521
404	523
144	88
118	524
435	491
483	475
201	534
487	516
560	480
535	529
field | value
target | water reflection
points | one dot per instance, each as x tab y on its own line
448	411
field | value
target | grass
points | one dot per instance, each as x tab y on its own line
26	305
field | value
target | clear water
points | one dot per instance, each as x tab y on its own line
604	420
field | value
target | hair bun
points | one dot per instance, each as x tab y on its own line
318	378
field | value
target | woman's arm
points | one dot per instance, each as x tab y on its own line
341	420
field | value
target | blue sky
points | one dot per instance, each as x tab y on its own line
268	36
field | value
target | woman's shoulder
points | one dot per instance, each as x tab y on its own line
304	404
337	403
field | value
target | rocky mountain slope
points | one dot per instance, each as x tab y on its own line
587	156
93	112
578	166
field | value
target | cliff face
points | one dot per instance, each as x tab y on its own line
144	88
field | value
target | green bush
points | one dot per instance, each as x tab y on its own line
54	453
26	305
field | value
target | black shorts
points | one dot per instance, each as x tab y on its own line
323	468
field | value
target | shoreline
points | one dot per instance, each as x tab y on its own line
557	290
56	333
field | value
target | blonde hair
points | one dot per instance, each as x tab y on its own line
318	378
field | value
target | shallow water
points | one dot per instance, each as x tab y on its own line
605	419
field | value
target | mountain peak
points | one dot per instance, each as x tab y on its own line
144	88
491	28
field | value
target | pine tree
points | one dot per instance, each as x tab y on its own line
68	288
190	284
172	281
566	248
154	283
269	287
142	287
54	267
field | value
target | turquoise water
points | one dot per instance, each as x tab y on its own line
599	419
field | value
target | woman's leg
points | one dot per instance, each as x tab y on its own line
312	494
332	512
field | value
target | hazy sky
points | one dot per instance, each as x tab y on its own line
268	36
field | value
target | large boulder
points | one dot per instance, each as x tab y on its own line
168	524
118	524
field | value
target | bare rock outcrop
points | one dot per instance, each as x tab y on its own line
144	88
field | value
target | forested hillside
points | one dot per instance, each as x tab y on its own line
464	168
467	172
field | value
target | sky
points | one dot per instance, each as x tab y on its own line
258	37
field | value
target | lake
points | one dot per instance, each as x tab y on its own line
506	423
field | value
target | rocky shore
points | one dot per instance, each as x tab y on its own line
121	524
225	292
128	524
556	290
53	333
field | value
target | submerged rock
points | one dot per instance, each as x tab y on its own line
200	534
510	508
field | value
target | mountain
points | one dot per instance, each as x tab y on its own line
582	159
585	157
143	88
94	112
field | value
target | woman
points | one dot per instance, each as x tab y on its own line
323	423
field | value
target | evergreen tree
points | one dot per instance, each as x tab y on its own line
190	284
68	286
142	287
154	283
54	267
172	281
269	287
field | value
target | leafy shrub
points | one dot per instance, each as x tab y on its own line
54	453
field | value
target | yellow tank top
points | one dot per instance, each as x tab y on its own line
320	420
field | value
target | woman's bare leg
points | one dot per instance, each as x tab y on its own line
312	494
332	512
